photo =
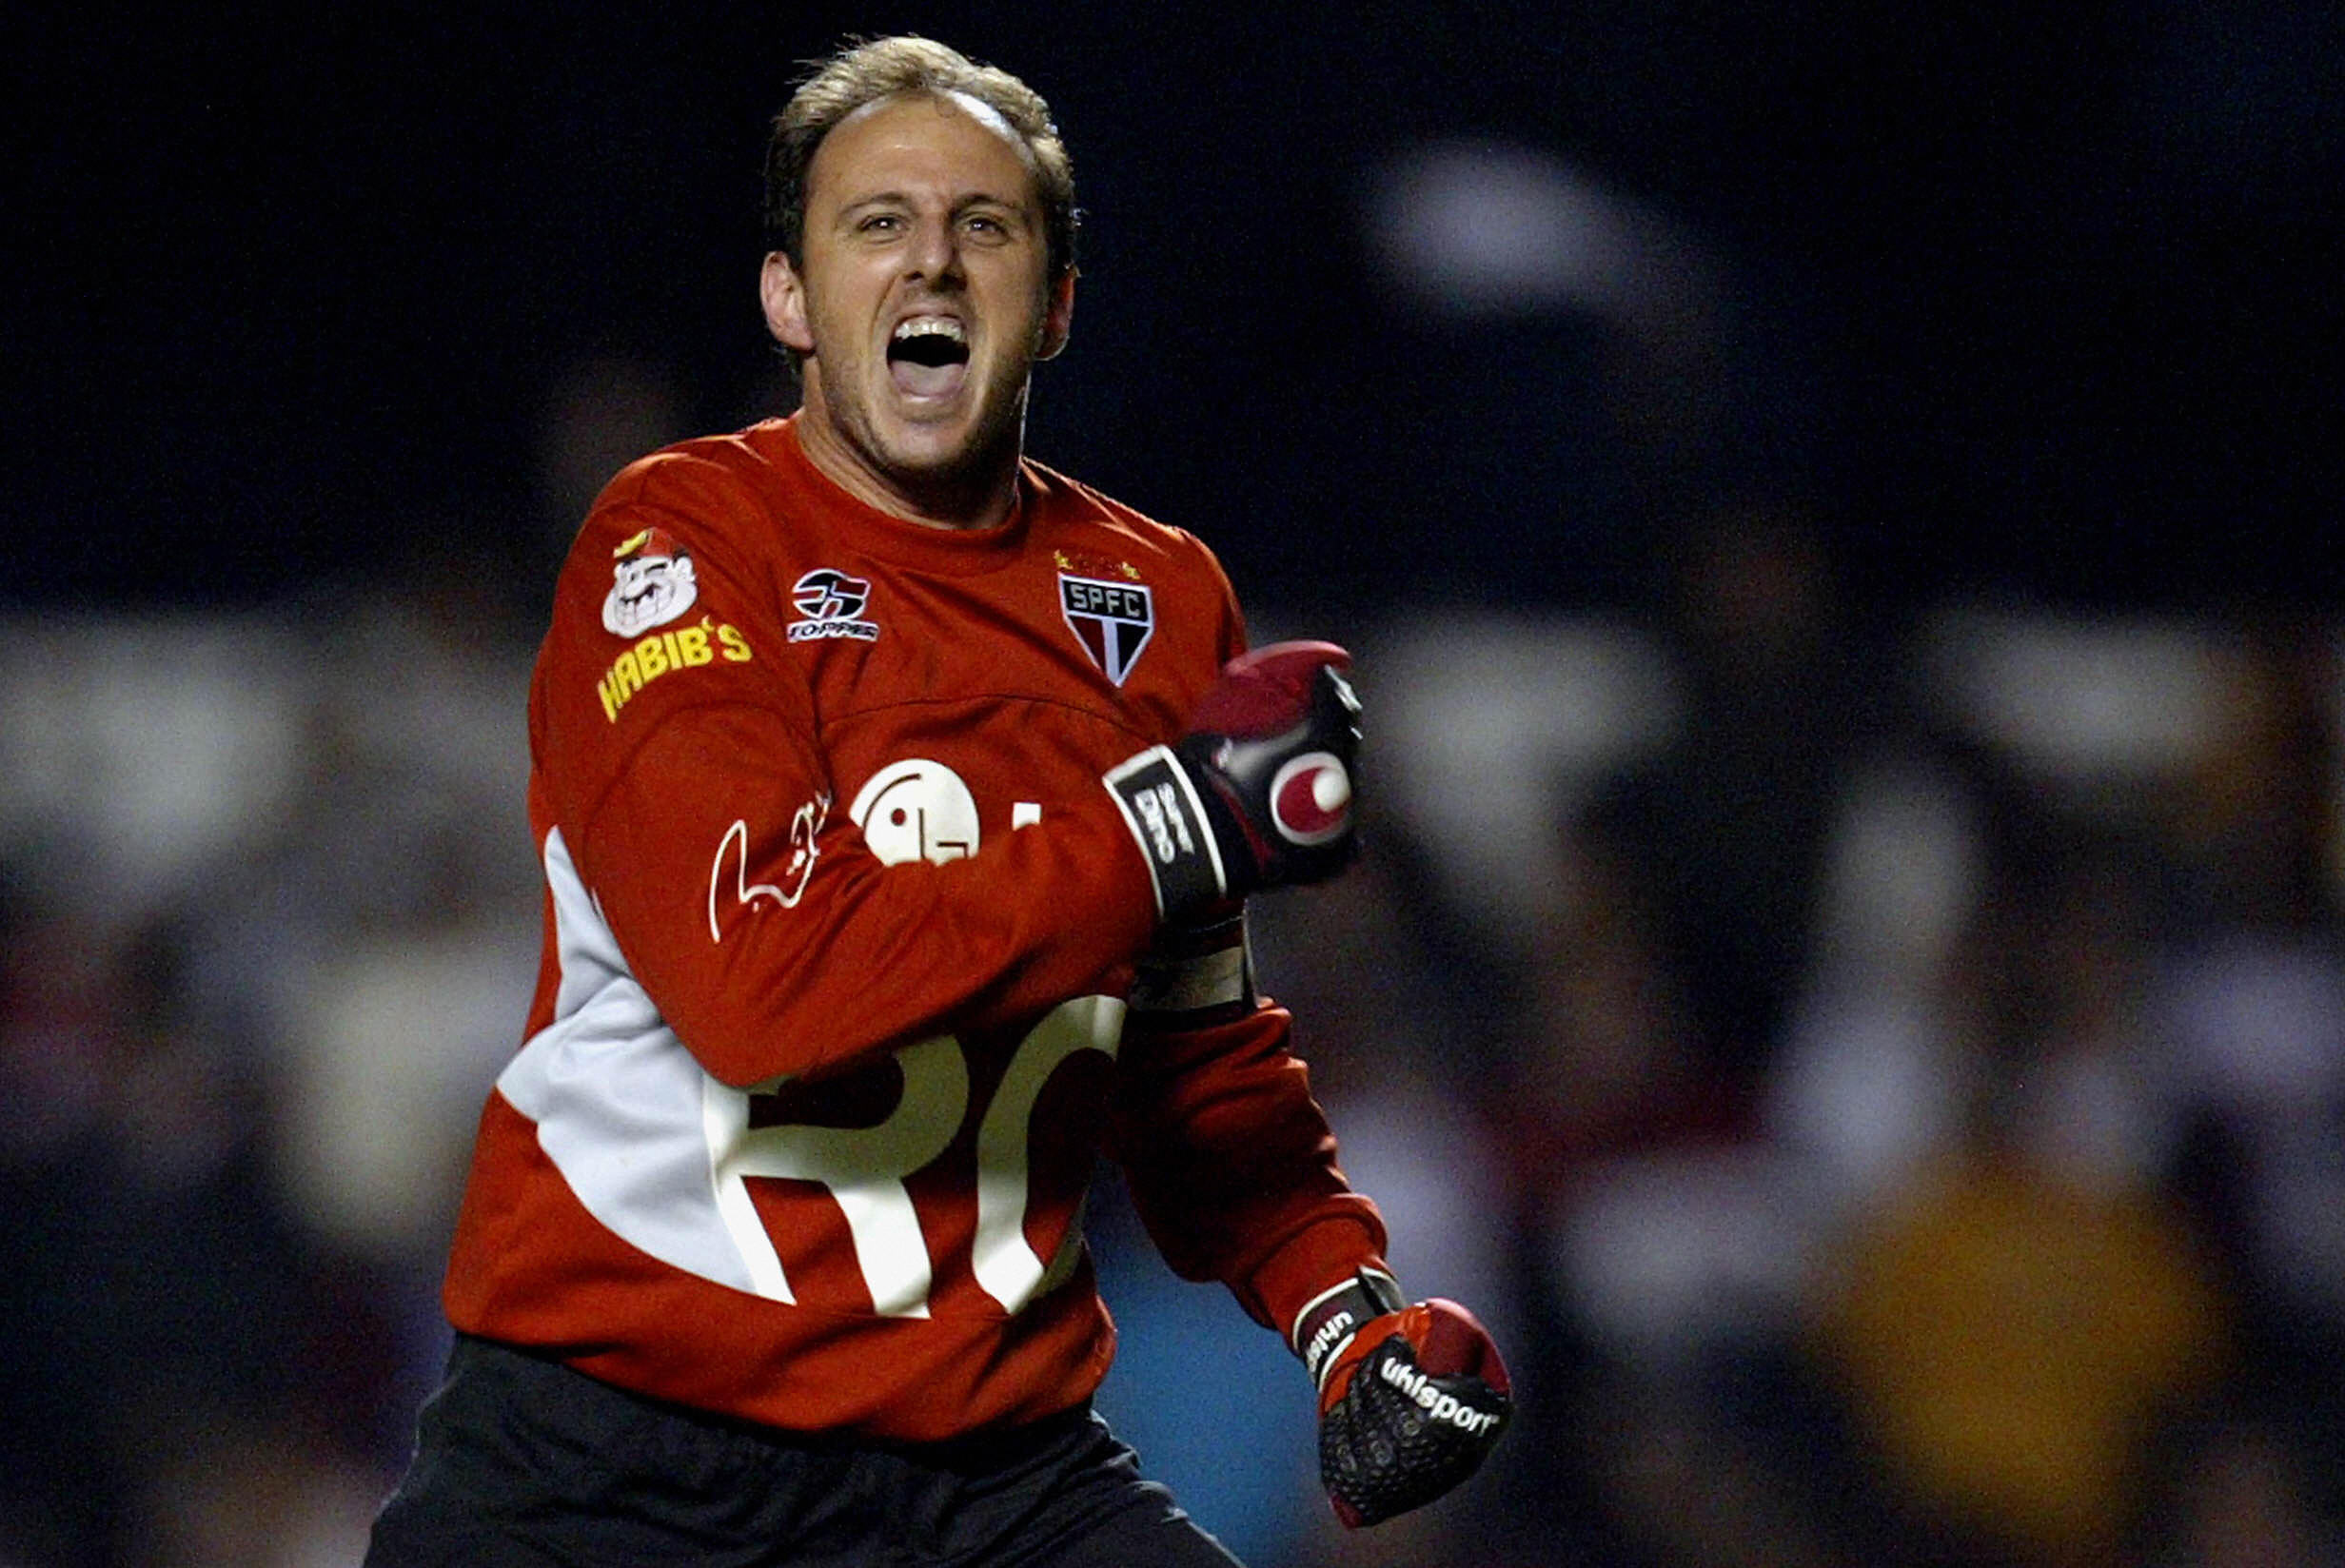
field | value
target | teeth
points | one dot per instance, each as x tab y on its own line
929	327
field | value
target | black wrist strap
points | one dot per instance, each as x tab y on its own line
1330	1320
1167	821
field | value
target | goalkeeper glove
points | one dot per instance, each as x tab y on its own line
1259	793
1411	1398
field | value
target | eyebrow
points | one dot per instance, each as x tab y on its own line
979	198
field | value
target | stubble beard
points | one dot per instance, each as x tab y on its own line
967	484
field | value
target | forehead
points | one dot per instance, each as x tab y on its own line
921	141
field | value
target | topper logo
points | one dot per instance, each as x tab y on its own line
833	604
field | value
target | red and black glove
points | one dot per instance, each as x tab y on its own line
1411	1398
1259	792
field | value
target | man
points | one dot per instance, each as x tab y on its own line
897	797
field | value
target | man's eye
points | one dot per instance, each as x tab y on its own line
880	223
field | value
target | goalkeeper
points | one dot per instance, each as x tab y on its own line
897	800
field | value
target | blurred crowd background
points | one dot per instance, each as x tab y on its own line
1837	509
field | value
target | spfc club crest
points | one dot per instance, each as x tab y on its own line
1113	620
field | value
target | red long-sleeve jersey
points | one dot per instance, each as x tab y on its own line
841	934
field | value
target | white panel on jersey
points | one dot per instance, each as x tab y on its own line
616	1098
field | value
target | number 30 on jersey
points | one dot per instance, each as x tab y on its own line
912	809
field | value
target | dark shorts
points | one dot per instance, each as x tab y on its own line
523	1461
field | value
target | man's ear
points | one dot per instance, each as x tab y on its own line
1058	317
784	297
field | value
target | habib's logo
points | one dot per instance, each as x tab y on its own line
653	583
663	653
1113	620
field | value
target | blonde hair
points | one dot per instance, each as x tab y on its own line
884	67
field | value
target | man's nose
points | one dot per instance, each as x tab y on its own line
934	252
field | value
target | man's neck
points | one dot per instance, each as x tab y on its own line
977	496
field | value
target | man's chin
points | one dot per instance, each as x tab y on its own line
949	447
945	462
916	441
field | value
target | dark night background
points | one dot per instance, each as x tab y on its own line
2040	302
1720	896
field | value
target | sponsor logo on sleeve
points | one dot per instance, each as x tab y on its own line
733	854
1113	620
653	583
832	603
664	653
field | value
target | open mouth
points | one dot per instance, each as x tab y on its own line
928	356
